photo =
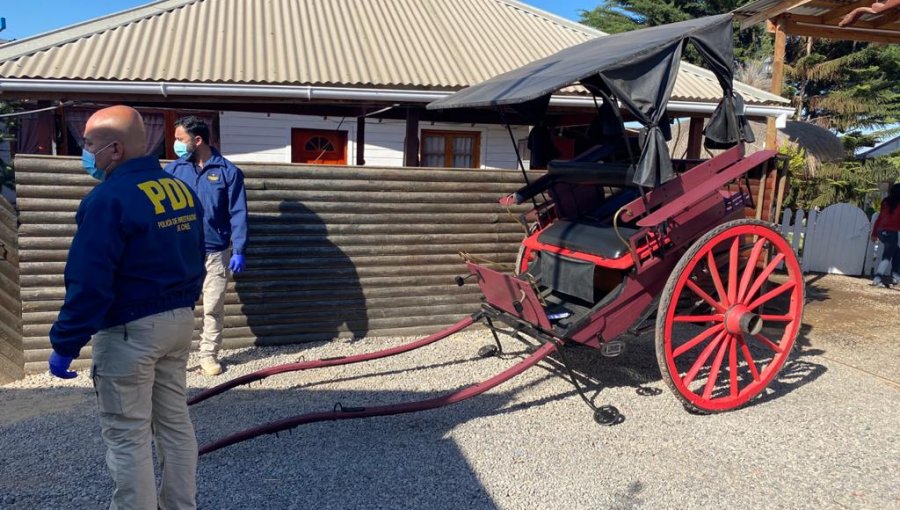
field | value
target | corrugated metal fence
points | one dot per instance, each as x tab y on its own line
334	251
10	308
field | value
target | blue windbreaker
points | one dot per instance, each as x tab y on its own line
220	186
138	251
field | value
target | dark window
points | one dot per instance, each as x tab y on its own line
451	149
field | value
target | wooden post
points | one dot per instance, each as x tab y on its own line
783	181
695	138
411	143
777	78
361	140
761	194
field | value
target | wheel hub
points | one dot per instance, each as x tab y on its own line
739	319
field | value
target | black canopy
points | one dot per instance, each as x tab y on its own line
638	69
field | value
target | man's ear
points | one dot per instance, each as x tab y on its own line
118	150
198	141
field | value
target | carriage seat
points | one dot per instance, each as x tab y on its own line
614	174
586	237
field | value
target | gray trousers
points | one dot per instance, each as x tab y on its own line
139	374
214	302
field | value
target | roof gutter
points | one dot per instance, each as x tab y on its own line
309	93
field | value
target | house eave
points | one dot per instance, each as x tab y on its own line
310	93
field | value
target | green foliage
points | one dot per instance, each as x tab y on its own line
615	16
855	140
7	174
800	193
796	159
847	88
853	182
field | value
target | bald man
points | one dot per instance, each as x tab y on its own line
133	274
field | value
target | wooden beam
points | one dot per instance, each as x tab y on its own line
772	12
817	20
695	138
783	182
835	15
825	4
361	140
761	193
846	34
411	143
885	19
777	78
876	9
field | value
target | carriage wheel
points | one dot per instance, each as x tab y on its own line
726	324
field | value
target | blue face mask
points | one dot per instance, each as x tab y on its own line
89	163
181	149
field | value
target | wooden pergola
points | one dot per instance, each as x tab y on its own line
850	20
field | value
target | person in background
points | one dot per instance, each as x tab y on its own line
887	229
133	274
220	186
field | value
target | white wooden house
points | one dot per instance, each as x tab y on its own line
310	81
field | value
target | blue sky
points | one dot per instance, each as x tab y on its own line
30	17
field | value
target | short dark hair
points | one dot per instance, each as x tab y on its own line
195	126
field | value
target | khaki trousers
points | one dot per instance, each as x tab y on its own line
214	303
139	376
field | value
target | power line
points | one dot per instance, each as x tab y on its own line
28	112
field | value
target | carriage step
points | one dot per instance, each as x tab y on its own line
488	351
612	348
608	416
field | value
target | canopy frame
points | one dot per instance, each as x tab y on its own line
639	69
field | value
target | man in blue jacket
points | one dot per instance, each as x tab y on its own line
220	186
133	274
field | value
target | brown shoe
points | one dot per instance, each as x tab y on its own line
210	366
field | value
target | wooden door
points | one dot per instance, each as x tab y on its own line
318	147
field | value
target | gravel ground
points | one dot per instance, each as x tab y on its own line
824	436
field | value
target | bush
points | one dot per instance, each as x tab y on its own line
853	181
7	175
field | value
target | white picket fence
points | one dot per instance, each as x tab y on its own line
834	240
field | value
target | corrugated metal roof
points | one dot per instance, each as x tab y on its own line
886	149
415	44
808	9
812	8
821	145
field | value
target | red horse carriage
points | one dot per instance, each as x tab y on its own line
623	234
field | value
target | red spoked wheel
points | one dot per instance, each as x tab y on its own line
726	321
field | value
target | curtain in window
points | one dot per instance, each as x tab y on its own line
155	125
463	148
76	119
433	151
32	137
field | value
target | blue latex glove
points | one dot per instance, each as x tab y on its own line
236	265
59	366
